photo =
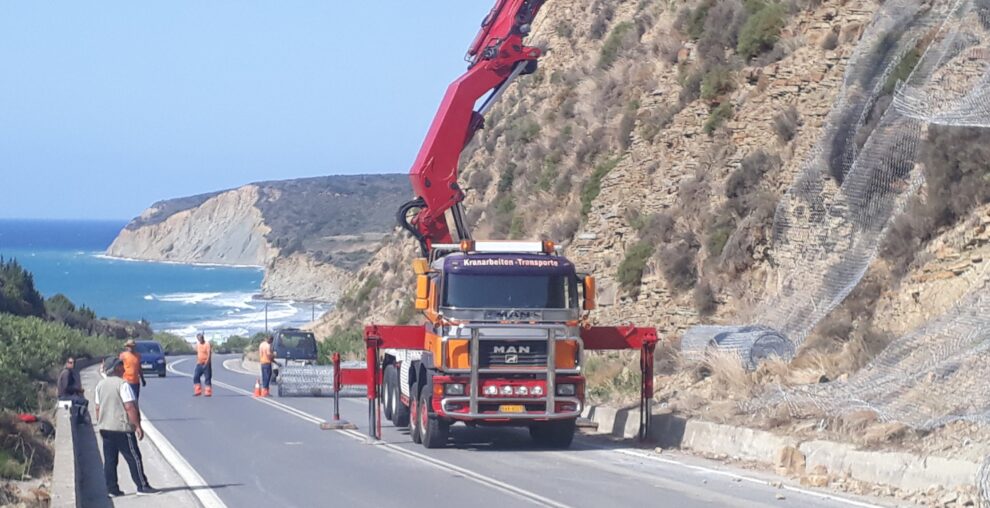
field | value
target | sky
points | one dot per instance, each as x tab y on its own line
106	107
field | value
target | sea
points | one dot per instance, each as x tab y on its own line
67	256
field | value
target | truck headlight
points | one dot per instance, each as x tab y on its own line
566	390
538	391
522	390
453	389
491	390
507	390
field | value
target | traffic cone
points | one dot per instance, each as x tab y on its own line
257	388
209	391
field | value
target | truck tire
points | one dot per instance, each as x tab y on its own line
388	395
414	413
400	414
554	434
433	430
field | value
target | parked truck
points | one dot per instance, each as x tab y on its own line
505	324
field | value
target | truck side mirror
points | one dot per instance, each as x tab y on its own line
589	293
422	291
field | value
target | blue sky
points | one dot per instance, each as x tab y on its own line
108	106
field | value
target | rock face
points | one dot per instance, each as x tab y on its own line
308	234
226	229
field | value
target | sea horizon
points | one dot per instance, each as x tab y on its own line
69	257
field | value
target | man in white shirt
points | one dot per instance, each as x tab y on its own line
119	423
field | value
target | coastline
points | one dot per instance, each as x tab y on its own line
104	255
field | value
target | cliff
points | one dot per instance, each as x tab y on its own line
307	233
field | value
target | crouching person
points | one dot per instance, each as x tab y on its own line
70	389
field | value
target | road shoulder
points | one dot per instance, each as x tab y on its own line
161	474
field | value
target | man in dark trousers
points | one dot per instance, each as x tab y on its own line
119	423
70	389
204	367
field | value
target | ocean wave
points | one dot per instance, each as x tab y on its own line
166	262
247	323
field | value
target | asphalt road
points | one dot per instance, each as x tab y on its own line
271	452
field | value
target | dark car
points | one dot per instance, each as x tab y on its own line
293	346
152	356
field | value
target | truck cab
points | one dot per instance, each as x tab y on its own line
502	343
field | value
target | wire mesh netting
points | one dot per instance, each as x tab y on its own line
918	66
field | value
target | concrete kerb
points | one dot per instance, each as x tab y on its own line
65	480
905	471
65	490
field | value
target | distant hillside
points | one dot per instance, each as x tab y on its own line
305	229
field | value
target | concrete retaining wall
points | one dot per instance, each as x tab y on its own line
901	470
65	490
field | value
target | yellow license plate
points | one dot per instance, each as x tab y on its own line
512	408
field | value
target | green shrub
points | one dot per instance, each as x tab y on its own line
761	31
517	229
718	234
678	261
18	295
406	313
613	44
717	82
173	344
903	69
717	117
33	350
630	273
593	186
349	343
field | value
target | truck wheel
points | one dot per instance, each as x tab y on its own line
400	412
555	434
434	431
387	393
414	410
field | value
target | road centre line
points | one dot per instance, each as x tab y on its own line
633	453
437	463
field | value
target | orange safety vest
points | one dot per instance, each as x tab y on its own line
202	353
265	353
132	367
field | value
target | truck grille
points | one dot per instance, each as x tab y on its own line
512	353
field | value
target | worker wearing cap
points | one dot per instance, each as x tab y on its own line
119	423
266	355
204	367
132	368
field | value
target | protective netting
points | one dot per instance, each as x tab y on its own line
827	234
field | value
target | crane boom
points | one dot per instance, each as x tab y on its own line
496	56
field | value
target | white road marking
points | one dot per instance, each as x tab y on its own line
735	476
440	464
197	485
483	479
199	488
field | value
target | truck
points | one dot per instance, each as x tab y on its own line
505	323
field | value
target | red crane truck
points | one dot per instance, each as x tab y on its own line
506	323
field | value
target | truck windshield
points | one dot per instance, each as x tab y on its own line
471	291
298	345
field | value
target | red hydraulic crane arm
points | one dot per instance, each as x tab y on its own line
496	56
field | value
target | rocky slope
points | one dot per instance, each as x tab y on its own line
307	233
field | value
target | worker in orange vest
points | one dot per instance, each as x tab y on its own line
132	368
204	367
265	356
